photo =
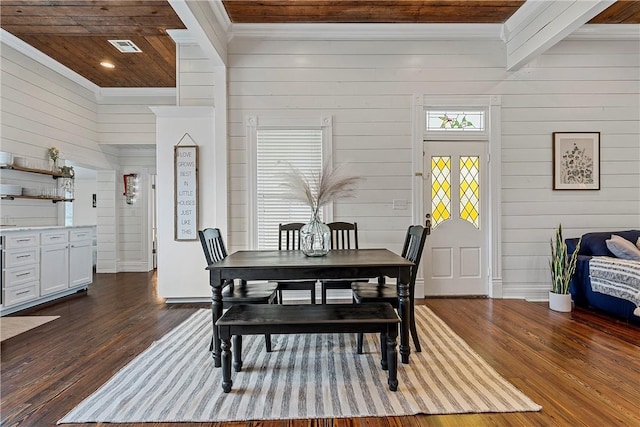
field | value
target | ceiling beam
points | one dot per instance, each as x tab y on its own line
206	25
367	31
540	24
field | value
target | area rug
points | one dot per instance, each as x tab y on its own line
12	326
306	376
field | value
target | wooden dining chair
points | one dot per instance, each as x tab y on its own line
289	239
383	292
242	293
344	235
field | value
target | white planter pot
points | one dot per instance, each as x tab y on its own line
560	302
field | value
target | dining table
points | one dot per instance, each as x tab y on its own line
275	265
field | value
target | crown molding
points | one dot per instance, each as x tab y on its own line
175	111
322	31
606	32
106	92
33	53
221	14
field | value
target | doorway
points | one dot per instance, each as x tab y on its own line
455	255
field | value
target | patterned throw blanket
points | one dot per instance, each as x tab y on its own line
616	277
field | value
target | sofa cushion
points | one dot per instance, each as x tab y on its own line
595	243
622	248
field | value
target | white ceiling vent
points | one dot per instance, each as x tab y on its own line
125	46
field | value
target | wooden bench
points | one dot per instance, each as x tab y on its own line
307	319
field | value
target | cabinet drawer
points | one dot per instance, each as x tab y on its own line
21	294
18	276
80	234
15	258
16	241
53	237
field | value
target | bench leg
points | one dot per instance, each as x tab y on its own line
225	346
359	342
237	353
267	341
392	358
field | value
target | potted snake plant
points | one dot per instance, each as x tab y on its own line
562	268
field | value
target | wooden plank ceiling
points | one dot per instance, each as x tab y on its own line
370	11
75	32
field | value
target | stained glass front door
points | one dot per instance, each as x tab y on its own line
455	255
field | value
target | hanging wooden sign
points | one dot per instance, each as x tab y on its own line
186	191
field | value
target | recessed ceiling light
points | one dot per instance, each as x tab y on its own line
107	64
125	46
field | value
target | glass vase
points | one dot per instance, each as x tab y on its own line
315	237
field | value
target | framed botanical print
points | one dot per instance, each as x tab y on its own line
576	160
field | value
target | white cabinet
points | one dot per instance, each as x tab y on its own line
39	266
21	272
54	261
80	257
54	268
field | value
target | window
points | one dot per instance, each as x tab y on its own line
467	193
455	121
440	189
278	145
470	189
278	150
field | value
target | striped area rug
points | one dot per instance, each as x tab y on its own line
306	376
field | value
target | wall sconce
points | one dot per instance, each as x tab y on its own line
130	187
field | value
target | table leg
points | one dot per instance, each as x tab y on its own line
216	313
405	313
383	350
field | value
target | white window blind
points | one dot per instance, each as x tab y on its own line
278	150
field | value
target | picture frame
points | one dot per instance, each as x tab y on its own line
185	192
576	160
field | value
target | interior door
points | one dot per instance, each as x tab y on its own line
455	255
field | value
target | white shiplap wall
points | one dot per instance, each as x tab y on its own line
41	108
107	220
577	86
127	127
195	76
134	228
367	86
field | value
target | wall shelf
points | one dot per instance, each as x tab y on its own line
53	199
54	175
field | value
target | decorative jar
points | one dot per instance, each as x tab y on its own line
315	237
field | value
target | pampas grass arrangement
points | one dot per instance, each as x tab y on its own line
316	189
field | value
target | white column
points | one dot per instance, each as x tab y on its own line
181	264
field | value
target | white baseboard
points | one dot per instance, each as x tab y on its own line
187	300
132	266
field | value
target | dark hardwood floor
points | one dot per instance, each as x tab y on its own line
583	368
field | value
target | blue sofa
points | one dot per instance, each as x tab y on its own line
594	244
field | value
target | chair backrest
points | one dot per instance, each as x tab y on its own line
413	246
344	235
212	245
289	236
